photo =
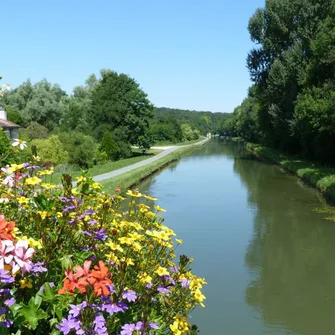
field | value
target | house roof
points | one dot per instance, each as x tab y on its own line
8	124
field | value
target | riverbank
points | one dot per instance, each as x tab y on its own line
135	176
106	167
323	178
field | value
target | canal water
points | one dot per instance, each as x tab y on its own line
268	257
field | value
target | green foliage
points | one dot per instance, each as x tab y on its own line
188	132
51	150
41	102
34	131
291	104
4	143
14	116
145	142
118	102
110	147
81	148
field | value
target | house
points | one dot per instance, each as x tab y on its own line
10	128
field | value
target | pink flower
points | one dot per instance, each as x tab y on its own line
6	253
22	257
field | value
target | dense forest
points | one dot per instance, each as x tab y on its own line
291	104
100	121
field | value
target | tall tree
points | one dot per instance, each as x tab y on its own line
118	101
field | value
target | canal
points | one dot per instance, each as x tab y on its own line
267	256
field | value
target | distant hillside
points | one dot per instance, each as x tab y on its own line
200	120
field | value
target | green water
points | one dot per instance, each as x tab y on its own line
267	256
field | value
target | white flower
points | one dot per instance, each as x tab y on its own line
22	144
9	179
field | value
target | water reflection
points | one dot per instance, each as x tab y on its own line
291	252
267	256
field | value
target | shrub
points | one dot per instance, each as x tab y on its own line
4	143
51	150
77	263
81	148
110	147
34	131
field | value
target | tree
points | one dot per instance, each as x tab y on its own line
118	101
40	103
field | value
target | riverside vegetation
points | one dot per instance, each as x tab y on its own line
289	111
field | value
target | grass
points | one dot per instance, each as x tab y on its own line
107	167
132	178
321	177
166	143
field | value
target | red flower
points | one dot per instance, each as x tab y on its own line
83	278
99	279
6	229
71	283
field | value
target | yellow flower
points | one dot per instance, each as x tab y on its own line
33	181
46	172
179	241
43	214
145	278
159	209
162	271
149	198
135	194
48	186
25	283
80	179
114	246
96	186
22	200
15	167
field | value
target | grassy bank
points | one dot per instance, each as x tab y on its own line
321	177
167	143
132	178
106	167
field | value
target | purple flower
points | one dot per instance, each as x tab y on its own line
9	302
174	269
153	325
129	295
68	208
184	282
163	290
113	308
39	267
3	310
128	329
170	279
5	277
148	286
101	235
75	310
139	325
6	324
51	284
68	324
100	325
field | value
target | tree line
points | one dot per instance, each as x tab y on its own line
291	104
100	121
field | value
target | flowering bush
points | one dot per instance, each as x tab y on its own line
75	260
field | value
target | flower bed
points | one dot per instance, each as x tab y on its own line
73	261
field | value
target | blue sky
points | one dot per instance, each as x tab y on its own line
185	54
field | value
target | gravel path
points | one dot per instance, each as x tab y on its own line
166	151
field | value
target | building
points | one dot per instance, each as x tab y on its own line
10	128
